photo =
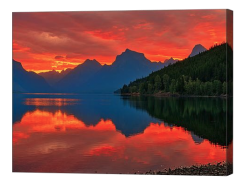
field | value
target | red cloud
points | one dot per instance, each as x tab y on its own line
41	36
59	57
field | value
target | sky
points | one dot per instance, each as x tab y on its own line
44	41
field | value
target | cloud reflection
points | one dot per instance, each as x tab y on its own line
59	142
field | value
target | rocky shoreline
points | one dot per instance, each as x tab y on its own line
219	169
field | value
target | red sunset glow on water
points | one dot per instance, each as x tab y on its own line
59	40
58	142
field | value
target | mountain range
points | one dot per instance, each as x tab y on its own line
170	61
52	77
203	74
90	76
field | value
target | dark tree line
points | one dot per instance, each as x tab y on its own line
209	73
203	116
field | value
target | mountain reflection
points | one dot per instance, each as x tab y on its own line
114	134
89	109
46	122
47	142
205	117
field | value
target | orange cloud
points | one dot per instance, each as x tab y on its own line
39	37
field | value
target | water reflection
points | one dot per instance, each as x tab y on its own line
50	101
205	117
196	139
104	134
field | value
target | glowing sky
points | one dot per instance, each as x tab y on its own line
58	40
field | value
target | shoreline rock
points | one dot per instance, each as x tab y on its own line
219	169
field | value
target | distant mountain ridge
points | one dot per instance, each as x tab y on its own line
170	61
92	77
75	80
52	77
24	81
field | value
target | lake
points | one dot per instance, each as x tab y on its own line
83	133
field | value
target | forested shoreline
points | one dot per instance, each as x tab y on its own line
206	74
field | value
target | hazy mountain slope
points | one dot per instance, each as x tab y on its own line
76	79
24	81
52	77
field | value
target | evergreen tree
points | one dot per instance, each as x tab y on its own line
202	88
209	88
142	89
203	74
173	86
134	89
131	89
217	87
157	83
150	88
165	80
224	87
197	85
125	89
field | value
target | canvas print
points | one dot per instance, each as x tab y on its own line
123	92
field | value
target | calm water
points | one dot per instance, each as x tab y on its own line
114	134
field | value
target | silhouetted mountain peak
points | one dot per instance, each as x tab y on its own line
77	77
89	62
130	54
130	58
198	45
66	70
24	81
170	61
128	51
197	49
155	62
17	65
53	76
105	65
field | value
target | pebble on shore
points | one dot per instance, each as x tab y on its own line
219	169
